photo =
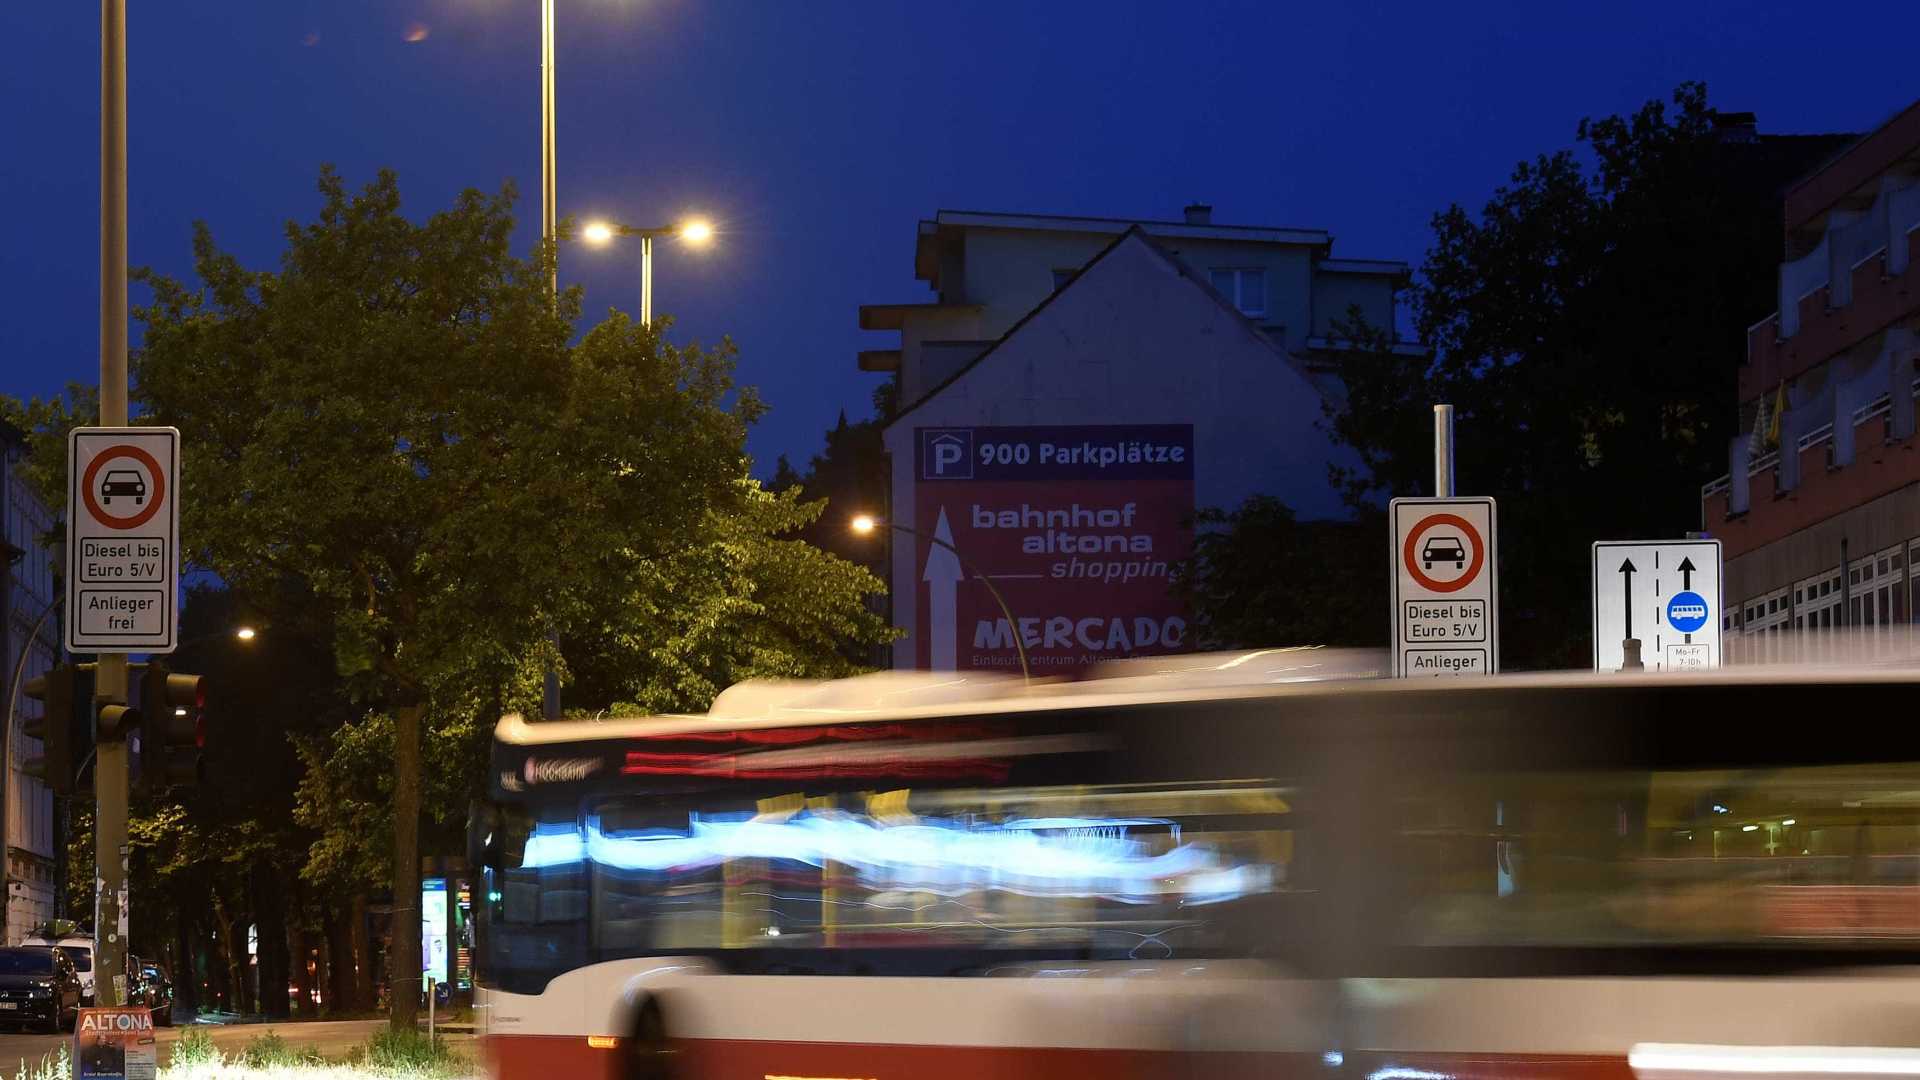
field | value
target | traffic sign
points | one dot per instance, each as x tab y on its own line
123	539
1663	595
1446	611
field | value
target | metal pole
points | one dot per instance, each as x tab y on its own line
646	280
110	768
549	183
1443	451
549	233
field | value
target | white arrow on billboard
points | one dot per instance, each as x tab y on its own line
943	576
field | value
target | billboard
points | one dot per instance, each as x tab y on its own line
433	929
1078	526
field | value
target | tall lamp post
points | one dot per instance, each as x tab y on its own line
694	232
865	524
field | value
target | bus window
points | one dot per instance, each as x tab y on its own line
532	913
1127	872
1801	856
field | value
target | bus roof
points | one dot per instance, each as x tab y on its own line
904	695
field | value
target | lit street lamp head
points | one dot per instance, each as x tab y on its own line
696	231
863	524
245	633
597	232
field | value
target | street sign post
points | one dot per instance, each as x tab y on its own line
1656	605
123	539
1446	610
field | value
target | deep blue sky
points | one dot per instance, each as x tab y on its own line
818	132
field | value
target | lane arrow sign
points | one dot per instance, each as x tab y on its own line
943	575
1626	592
1686	574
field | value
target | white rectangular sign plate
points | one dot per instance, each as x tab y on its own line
1664	594
123	539
1446	611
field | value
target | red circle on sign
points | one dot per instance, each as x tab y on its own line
154	497
1410	560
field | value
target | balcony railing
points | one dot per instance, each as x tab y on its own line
1879	407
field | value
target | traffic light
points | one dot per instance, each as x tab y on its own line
64	698
172	722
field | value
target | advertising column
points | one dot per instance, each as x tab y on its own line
1079	527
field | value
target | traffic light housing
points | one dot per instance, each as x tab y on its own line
65	697
172	726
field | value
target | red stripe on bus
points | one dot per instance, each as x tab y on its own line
548	1057
543	1057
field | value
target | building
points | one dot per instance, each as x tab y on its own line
33	646
1820	510
1075	391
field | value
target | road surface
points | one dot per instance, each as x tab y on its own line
333	1037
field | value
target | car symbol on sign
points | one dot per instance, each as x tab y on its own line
123	482
1444	549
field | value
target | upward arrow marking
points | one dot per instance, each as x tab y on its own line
943	575
1686	574
1626	592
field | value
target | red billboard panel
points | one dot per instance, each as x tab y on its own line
1079	528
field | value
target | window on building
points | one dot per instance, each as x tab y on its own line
1853	576
1061	277
1245	289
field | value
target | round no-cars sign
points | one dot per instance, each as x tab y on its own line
1446	549
147	493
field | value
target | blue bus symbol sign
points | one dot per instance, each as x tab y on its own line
1687	612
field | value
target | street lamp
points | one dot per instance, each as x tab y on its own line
865	524
694	232
245	633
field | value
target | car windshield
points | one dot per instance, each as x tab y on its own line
81	956
25	961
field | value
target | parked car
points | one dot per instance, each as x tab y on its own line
78	949
150	986
39	986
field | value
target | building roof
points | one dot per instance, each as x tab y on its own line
1856	166
926	262
1077	281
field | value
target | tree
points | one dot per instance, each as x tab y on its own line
1259	578
1587	327
394	421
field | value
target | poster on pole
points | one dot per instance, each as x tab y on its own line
1079	527
1445	604
114	1044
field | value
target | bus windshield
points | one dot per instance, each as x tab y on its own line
936	880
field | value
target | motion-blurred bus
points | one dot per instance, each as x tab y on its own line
1234	867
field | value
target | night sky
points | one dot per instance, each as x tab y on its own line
817	133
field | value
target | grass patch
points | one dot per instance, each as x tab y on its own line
55	1066
270	1051
195	1047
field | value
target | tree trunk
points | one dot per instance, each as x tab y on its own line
342	979
238	998
403	959
270	915
302	978
186	981
362	997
